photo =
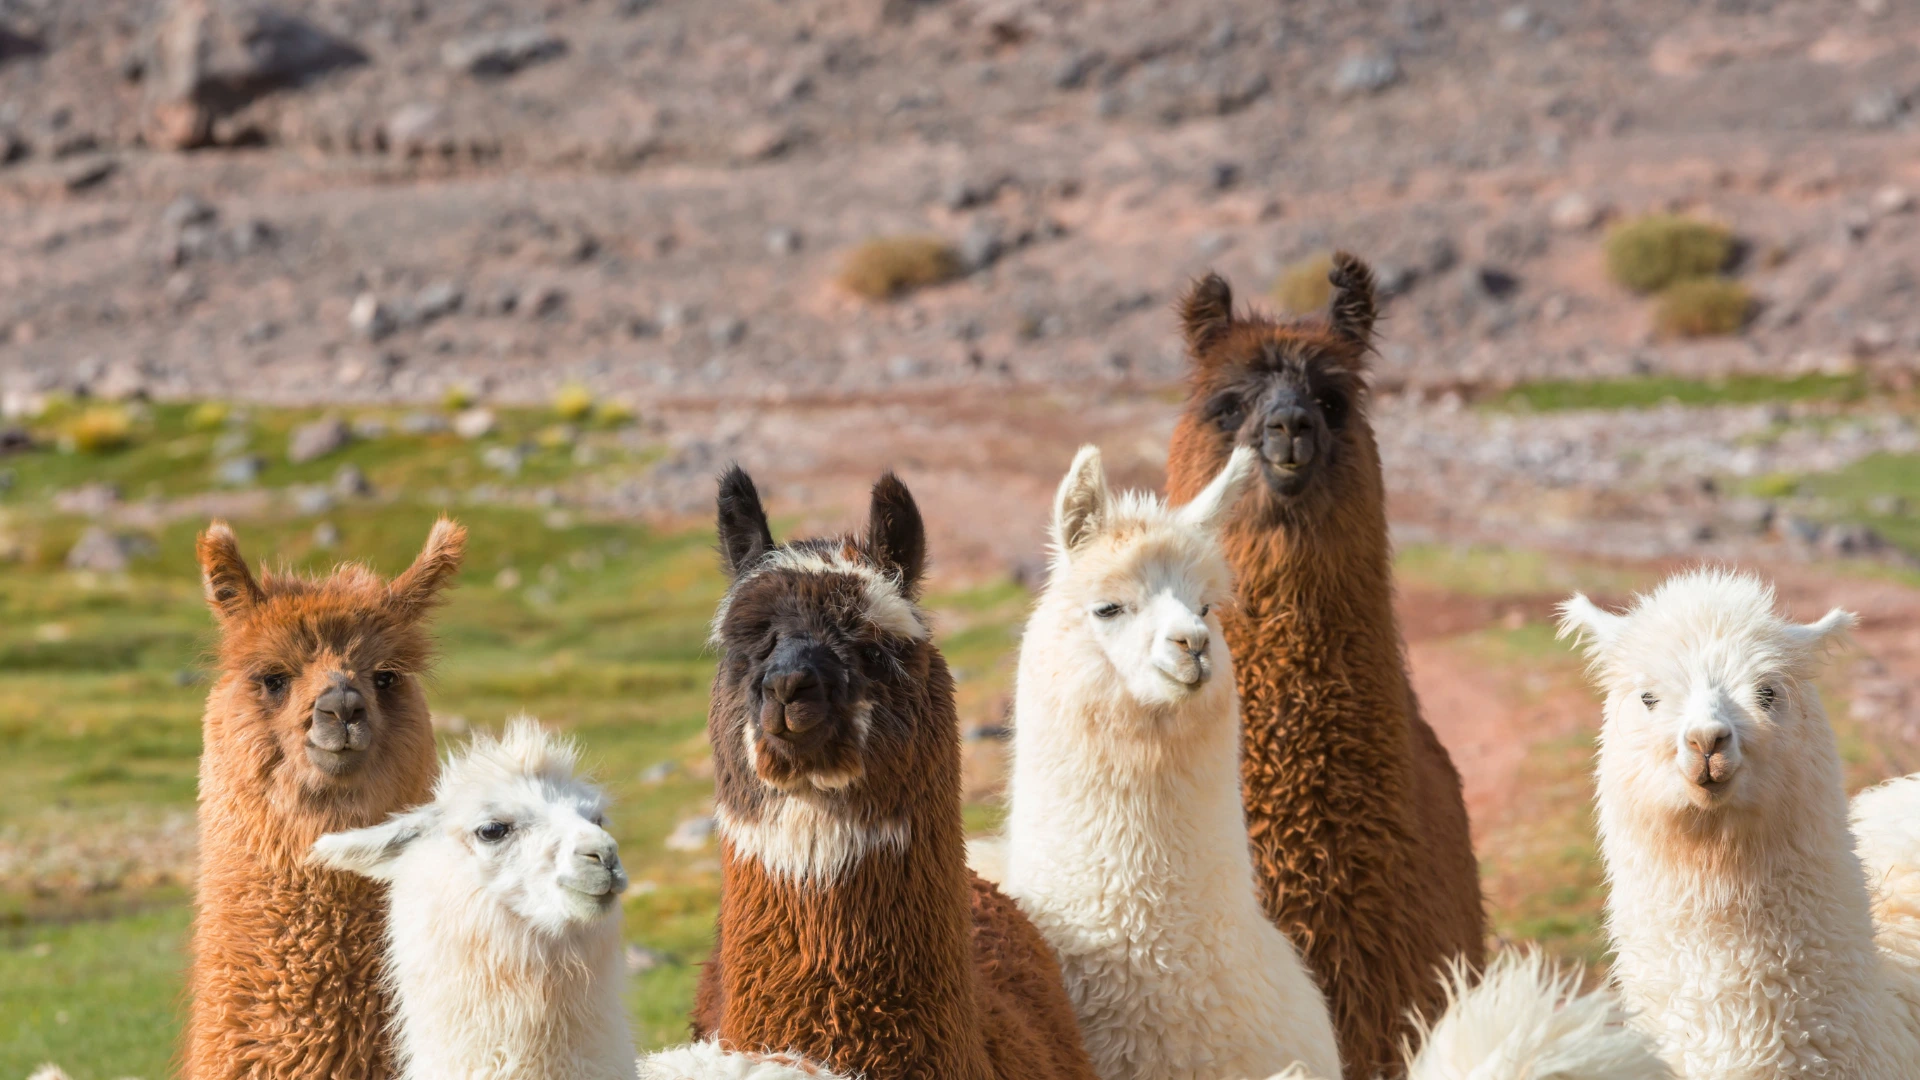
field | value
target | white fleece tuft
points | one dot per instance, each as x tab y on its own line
707	1061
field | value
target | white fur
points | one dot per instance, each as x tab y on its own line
505	958
1886	830
801	841
1740	916
888	607
706	1061
1126	842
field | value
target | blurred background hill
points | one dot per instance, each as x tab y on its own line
327	267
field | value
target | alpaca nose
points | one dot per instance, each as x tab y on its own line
1193	639
339	718
795	689
785	686
1289	436
601	851
1709	739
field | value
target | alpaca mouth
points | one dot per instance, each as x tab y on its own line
822	762
336	763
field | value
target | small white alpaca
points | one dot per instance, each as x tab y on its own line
1126	844
1737	907
1125	840
504	946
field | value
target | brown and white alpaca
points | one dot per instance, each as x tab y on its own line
1354	811
851	931
317	724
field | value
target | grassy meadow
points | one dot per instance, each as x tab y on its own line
597	628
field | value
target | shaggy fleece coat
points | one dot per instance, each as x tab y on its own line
1742	926
1126	843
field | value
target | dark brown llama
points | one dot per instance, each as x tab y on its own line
851	931
316	725
1354	810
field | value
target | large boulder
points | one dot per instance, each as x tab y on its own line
211	58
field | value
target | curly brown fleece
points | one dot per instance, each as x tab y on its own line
1354	811
287	958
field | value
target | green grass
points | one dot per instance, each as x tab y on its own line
102	998
1881	491
1645	391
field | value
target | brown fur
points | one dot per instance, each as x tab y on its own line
1359	831
286	957
903	965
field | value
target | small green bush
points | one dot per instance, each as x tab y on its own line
1650	253
1302	287
1703	307
573	403
888	266
99	430
208	416
458	398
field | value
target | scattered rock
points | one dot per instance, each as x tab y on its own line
326	535
316	440
980	245
474	423
1892	199
188	210
88	500
437	299
15	439
13	148
782	240
1496	283
212	57
89	173
1574	212
1366	72
693	834
1878	108
763	141
506	460
726	331
242	471
658	772
499	54
424	423
371	318
641	959
350	483
311	499
1073	72
105	552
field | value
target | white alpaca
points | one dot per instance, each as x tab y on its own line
1738	908
1126	844
504	947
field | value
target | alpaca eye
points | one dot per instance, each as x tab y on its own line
383	680
274	683
1649	700
1227	411
1107	611
1204	608
1765	694
493	831
1333	406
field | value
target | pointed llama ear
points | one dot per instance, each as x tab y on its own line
1350	311
1581	617
419	586
373	851
1831	629
896	537
1080	506
744	534
230	586
1214	505
1206	311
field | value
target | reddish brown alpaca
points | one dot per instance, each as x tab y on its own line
1359	832
316	725
851	930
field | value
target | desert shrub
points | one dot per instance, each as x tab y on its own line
573	403
98	430
614	413
1302	287
458	398
1703	307
1650	253
887	266
208	416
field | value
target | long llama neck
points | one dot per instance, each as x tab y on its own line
482	995
1745	941
870	973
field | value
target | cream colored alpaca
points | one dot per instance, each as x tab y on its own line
1738	908
1126	845
1125	842
504	945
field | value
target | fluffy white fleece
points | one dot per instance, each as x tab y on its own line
1126	843
706	1061
1740	915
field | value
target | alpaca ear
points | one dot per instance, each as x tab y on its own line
1350	311
1214	505
419	586
1581	617
230	586
1830	630
1206	312
896	537
373	851
744	534
1080	506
